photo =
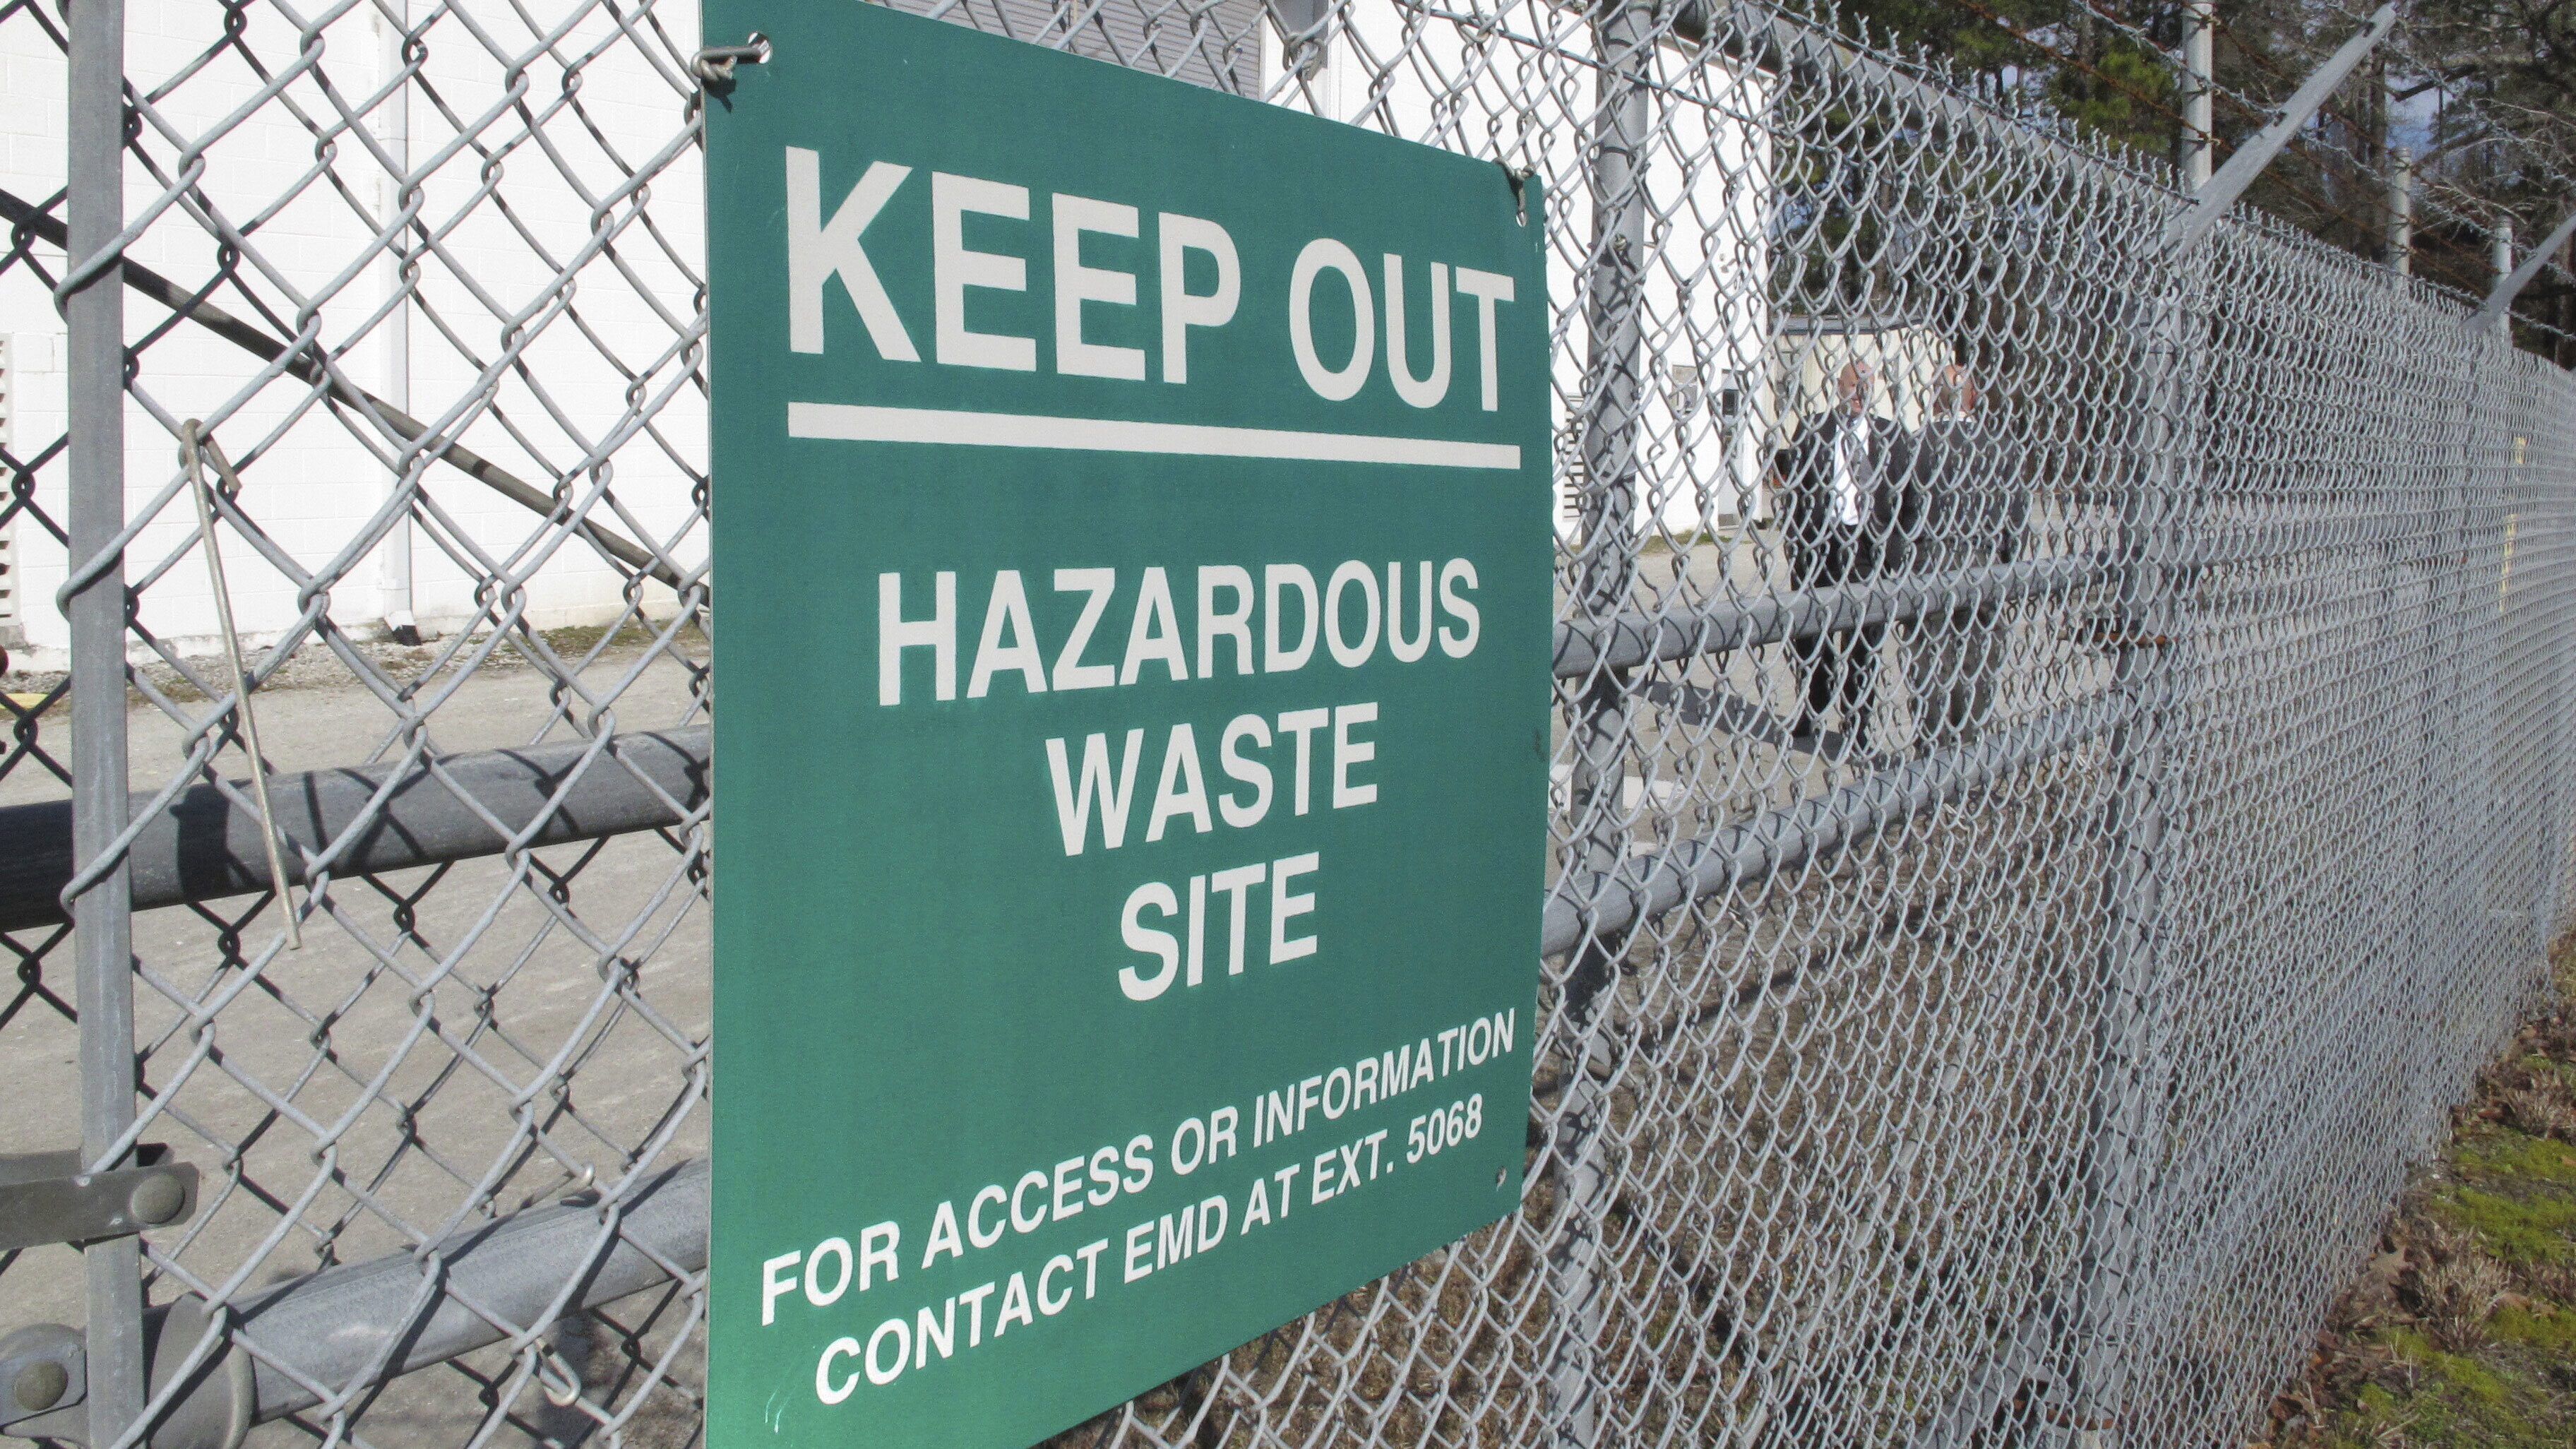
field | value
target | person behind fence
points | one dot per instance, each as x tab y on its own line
1964	506
1840	485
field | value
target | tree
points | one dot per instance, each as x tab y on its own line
2505	137
2498	75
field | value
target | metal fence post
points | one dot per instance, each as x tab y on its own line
2431	902
93	305
2458	776
2500	252
2151	669
2125	1116
2511	277
2552	892
1605	563
2546	604
2200	24
2401	210
2412	617
393	561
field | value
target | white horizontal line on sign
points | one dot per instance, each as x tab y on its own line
851	423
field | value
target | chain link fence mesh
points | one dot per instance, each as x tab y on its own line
2062	766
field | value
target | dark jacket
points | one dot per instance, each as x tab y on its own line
1966	501
1806	472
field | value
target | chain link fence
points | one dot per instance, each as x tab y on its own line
2062	768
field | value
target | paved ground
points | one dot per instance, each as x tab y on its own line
479	1040
315	714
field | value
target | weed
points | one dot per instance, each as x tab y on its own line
2456	1290
2550	1331
2539	1113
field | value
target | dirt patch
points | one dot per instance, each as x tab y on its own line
2462	1331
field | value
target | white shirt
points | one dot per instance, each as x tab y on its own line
1852	471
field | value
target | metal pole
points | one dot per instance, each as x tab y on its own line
2123	1116
2497	311
1606	559
2551	897
93	305
2210	201
2126	1123
393	560
2464	780
2500	252
2401	211
2200	24
349	1319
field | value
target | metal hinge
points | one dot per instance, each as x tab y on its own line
46	1198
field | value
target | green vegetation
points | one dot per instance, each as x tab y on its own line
2463	1331
2514	1228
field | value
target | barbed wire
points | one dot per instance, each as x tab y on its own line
2401	43
2254	108
2436	198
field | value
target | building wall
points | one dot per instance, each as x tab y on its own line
487	293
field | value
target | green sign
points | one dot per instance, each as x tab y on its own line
1131	518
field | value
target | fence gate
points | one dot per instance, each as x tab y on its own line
2023	884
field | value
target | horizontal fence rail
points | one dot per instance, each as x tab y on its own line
209	842
2065	694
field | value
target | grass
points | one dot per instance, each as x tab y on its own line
2463	1331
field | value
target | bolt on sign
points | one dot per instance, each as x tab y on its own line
1131	506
